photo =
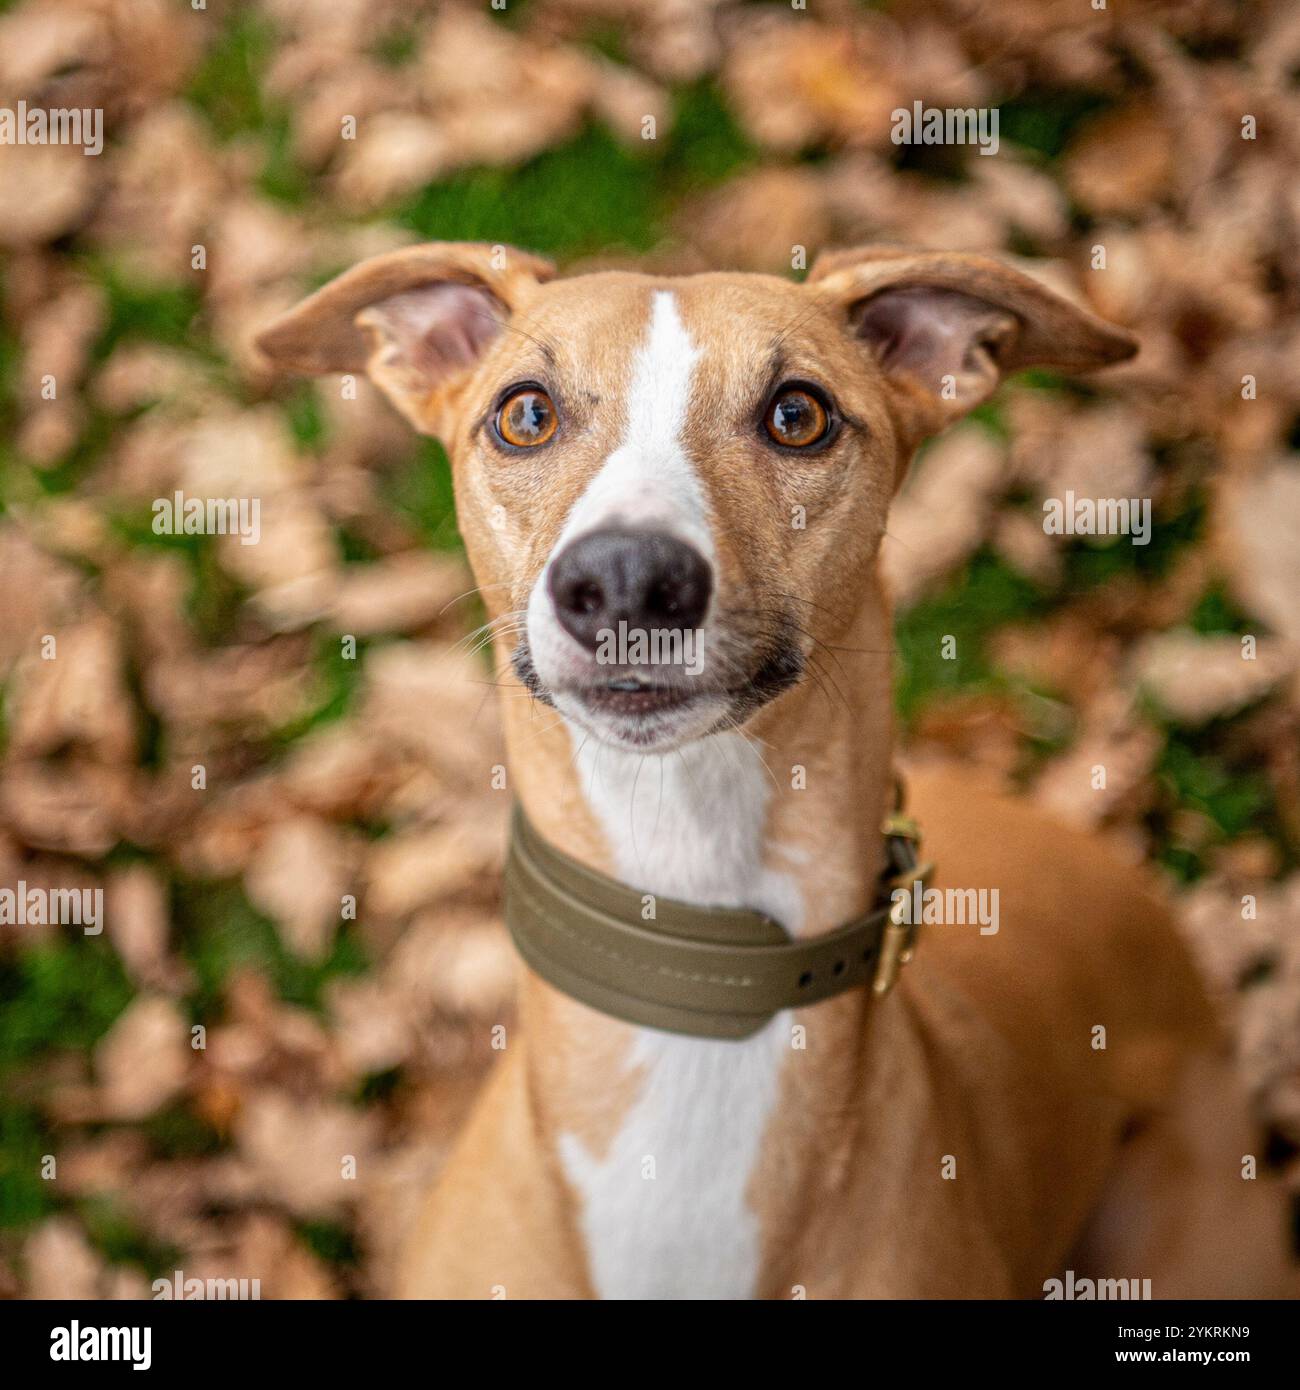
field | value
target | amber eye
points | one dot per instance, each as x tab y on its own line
526	417
796	418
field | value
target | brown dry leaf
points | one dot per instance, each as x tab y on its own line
144	1059
1256	525
298	1153
60	1261
1026	199
41	593
943	511
1021	541
39	41
262	686
45	192
1196	678
1269	1026
397	594
374	1032
340	771
137	921
416	691
50	431
625	101
794	82
78	697
72	808
1095	453
416	868
242	453
1228	945
1122	160
58	338
166	183
297	877
453	961
755	221
262	1246
140	374
1113	745
395	152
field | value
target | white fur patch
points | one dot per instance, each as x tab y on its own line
648	481
687	825
664	1212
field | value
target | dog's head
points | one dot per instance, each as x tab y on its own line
670	489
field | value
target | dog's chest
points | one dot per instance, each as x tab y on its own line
666	1208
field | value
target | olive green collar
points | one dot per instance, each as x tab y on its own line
708	972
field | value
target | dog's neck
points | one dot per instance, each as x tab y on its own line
784	818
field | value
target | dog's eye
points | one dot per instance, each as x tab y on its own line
796	418
526	418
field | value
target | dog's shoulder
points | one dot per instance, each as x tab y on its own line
1086	966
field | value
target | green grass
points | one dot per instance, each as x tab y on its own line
56	998
220	933
552	204
1045	120
63	994
228	88
986	595
337	679
113	1232
1196	773
420	491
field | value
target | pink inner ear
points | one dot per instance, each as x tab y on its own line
932	332
440	329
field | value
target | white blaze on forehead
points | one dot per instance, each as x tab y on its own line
649	481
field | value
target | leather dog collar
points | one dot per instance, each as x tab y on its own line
707	972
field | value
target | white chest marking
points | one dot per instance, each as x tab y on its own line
666	1210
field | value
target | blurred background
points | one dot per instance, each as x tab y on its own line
227	189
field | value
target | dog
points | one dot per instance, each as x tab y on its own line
712	458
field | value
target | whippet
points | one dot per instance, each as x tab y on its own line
712	1091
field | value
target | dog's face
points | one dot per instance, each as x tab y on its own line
672	490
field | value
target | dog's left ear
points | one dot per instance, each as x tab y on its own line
417	321
946	328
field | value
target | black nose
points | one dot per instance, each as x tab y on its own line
642	578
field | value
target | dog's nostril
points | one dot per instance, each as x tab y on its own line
587	598
665	600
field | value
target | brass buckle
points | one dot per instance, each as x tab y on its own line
896	823
898	942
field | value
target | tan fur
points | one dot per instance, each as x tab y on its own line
984	1051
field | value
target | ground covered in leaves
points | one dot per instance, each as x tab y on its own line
327	776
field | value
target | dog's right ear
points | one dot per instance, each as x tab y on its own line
416	321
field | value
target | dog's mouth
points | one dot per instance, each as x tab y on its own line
647	710
634	696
